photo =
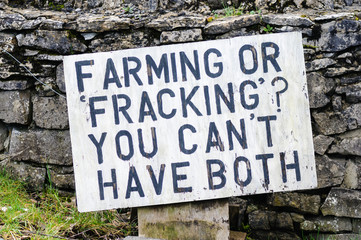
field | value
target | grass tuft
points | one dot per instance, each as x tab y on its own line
46	215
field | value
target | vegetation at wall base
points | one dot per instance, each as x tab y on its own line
46	215
55	7
267	29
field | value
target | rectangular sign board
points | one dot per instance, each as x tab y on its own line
190	122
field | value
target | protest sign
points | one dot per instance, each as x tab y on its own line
190	121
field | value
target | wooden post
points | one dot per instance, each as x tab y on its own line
194	220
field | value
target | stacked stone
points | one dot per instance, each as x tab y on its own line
34	135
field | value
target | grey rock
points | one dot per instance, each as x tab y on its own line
350	134
262	4
287	19
350	80
172	21
340	35
330	172
297	218
62	180
139	22
153	5
337	103
45	90
267	220
347	146
318	87
237	33
283	221
326	55
98	23
228	24
33	13
161	4
320	4
321	143
339	71
262	235
319	64
7	68
11	21
344	55
7	41
342	202
330	123
33	176
304	31
58	41
259	220
308	226
327	224
60	81
272	5
42	71
49	57
88	36
298	3
267	223
340	236
353	116
178	4
41	146
300	202
46	73
77	4
251	208
15	106
215	4
333	16
285	29
118	41
189	35
308	53
50	112
108	4
16	85
50	24
97	3
31	24
30	53
3	135
352	179
352	92
348	2
11	70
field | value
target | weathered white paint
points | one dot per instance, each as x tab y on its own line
289	126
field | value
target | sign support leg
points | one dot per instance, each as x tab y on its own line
194	220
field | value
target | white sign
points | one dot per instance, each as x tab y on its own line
190	122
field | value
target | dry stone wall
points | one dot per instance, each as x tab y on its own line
34	135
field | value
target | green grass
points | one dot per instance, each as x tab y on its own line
56	7
46	215
267	29
232	11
